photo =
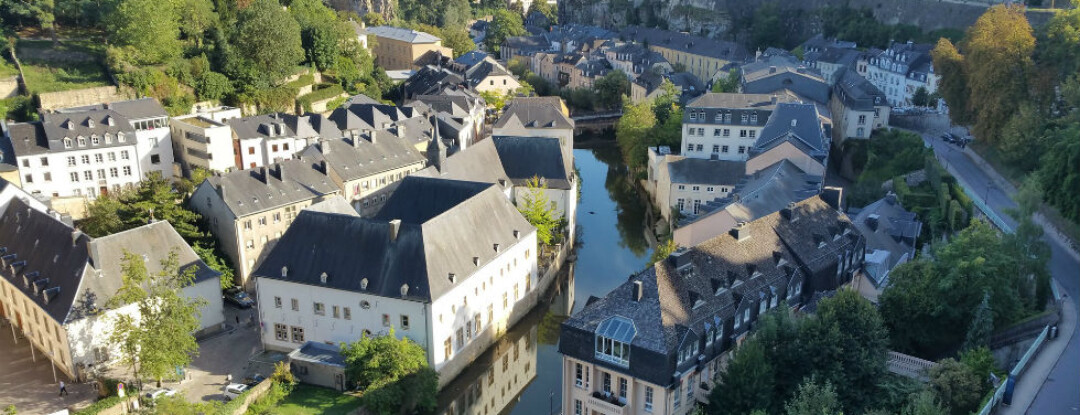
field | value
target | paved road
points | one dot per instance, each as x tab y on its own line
1060	393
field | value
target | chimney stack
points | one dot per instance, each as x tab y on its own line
740	232
265	172
772	69
395	227
637	291
773	99
324	146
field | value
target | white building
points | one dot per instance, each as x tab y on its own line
724	126
264	139
901	70
445	263
56	281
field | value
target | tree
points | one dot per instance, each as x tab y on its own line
747	384
958	386
1058	175
374	19
998	50
729	83
155	199
158	337
548	10
766	28
663	250
392	374
953	86
814	398
982	326
981	361
40	11
1059	43
921	98
504	24
631	133
1022	139
212	86
457	38
267	42
103	217
853	343
611	88
923	403
779	332
148	28
198	17
537	209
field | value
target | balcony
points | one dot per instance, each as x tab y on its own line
606	405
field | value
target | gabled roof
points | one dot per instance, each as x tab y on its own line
358	157
430	80
797	123
261	126
444	225
360	114
890	232
535	112
480	162
764	192
488	67
402	34
738	101
777	73
473	57
135	109
856	93
106	124
696	45
312	126
257	190
526	157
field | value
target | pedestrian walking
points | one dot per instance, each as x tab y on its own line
63	389
228	379
237	319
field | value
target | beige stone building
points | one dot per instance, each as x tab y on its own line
397	48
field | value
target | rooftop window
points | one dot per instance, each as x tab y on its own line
613	338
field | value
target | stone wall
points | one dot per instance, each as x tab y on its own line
80	97
9	87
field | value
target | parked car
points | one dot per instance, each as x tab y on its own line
233	390
238	297
159	393
254	380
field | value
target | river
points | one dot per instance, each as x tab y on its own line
521	373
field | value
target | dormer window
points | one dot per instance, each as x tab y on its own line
94	140
121	137
613	338
82	141
108	138
67	142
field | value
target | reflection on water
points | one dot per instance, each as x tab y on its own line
521	374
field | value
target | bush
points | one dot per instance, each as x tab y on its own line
212	86
100	405
327	91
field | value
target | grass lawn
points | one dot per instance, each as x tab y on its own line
69	65
311	400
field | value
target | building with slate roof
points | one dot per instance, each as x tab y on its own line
361	165
527	158
858	107
55	283
461	115
398	48
264	139
448	264
685	184
891	235
319	364
430	80
248	210
724	126
901	70
797	125
656	343
88	151
702	56
774	74
536	117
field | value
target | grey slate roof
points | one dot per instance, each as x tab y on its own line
444	224
485	68
697	45
48	135
429	80
764	192
264	126
480	162
26	139
251	191
857	93
526	157
135	109
535	112
735	100
798	124
890	229
311	126
777	73
702	171
355	158
361	114
32	242
402	34
472	57
333	204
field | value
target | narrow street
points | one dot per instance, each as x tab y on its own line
1059	394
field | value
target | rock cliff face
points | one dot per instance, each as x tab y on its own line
386	8
720	17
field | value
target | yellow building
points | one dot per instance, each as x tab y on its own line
398	48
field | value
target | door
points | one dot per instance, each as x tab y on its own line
339	381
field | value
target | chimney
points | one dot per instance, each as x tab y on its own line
75	234
872	221
404	289
680	258
356	141
772	69
496	246
452	277
794	122
637	291
395	226
363	284
92	251
322	278
788	212
284	272
773	100
740	232
400	131
324	146
265	172
371	135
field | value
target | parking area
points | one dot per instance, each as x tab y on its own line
29	385
236	352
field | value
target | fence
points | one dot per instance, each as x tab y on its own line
909	366
1017	370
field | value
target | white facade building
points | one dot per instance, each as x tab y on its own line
901	70
445	263
725	126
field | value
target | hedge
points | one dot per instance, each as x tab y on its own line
329	91
100	405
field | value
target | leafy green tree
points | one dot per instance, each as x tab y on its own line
392	374
958	386
504	24
982	326
611	88
729	83
103	217
631	133
374	19
953	86
267	42
1059	44
537	209
156	199
159	338
779	332
148	28
457	38
197	17
998	50
1022	139
41	12
666	101
747	383
847	342
981	361
663	250
1058	176
669	132
212	86
766	28
813	398
921	98
10	410
923	403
